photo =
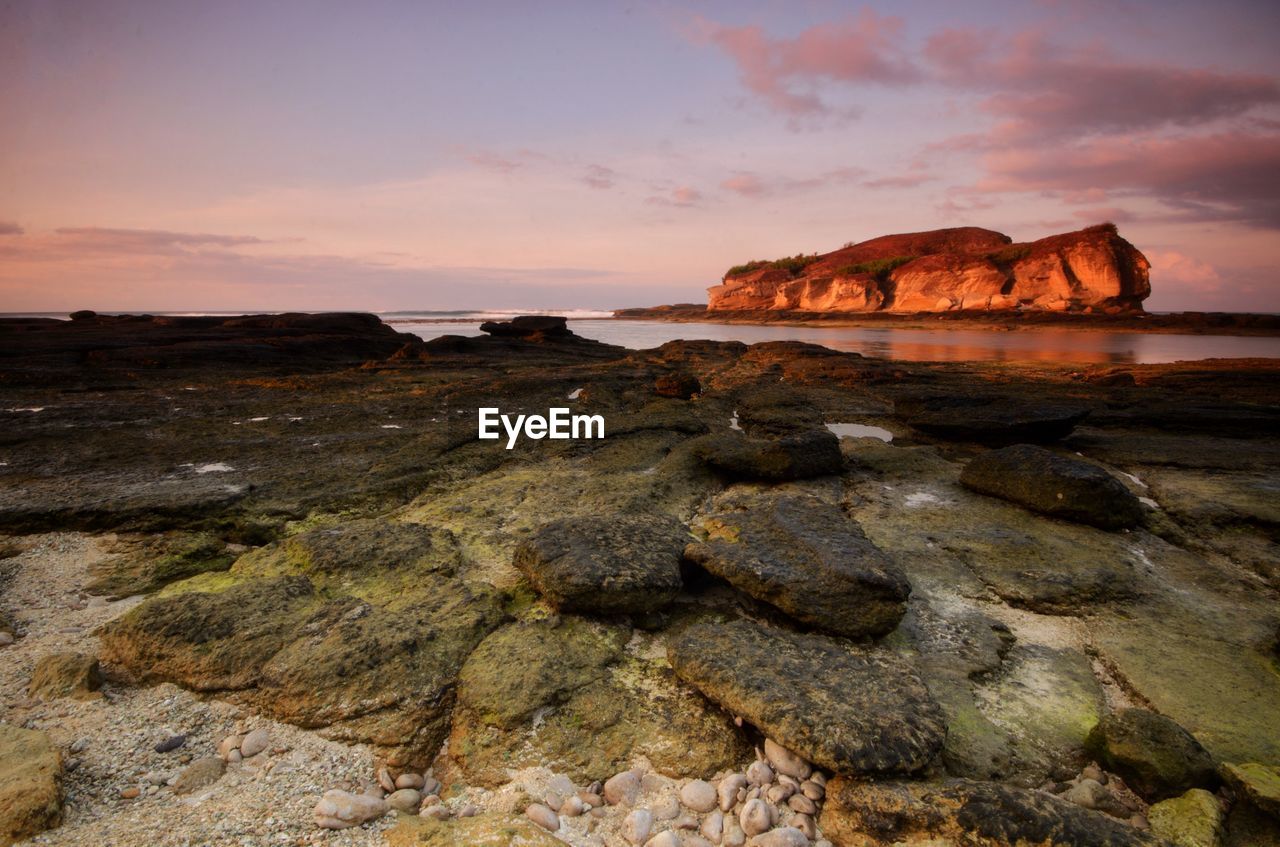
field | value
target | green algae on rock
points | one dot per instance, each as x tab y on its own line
30	784
1156	757
1194	819
849	709
66	675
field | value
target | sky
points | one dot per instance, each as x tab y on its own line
172	155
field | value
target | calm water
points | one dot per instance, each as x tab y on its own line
919	345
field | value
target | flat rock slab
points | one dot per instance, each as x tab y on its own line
619	564
849	709
807	558
1054	485
801	455
30	783
980	814
991	420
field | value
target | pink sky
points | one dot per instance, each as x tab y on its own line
175	155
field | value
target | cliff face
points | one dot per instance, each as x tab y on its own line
967	268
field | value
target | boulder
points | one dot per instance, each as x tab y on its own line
1054	485
807	558
66	675
1156	757
200	774
526	326
848	709
1193	820
1258	784
342	810
30	784
997	421
800	455
564	694
979	814
620	564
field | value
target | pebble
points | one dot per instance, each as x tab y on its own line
697	841
1087	793
553	801
713	826
572	806
803	805
234	757
405	800
805	824
430	785
755	817
255	742
228	745
733	834
637	826
759	773
786	836
591	798
685	821
664	839
562	785
468	811
622	788
342	809
784	761
778	794
665	808
173	742
699	795
813	791
410	780
131	793
6	638
199	774
436	811
1095	773
543	817
728	790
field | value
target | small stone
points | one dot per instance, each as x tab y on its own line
562	785
342	809
713	826
1087	793
697	841
430	785
733	834
778	794
759	773
1092	771
543	817
259	740
666	808
637	826
553	801
664	839
572	807
591	799
805	824
622	788
699	795
813	791
468	811
173	742
6	638
131	793
409	780
228	744
802	804
234	757
728	790
199	774
685	821
405	800
153	778
755	817
435	811
786	836
784	761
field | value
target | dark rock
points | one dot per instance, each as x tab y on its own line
619	564
1054	485
980	814
809	453
65	675
1155	757
773	410
173	742
807	558
849	709
990	420
30	783
525	326
83	315
679	386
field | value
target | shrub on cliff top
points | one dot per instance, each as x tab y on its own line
793	265
878	268
1010	255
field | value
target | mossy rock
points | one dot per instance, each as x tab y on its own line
480	831
1156	757
144	565
30	783
1258	784
1193	820
66	675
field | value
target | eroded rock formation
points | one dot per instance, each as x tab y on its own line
965	268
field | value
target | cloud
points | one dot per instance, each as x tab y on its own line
752	185
1174	268
600	177
1229	176
491	161
10	228
785	72
682	196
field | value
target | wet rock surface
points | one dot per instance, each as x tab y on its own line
849	709
807	558
801	455
1054	485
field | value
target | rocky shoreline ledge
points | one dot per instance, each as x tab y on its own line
293	599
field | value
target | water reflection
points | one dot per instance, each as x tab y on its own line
920	345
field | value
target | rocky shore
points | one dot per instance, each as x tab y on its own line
288	596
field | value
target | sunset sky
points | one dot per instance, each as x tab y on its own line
178	155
